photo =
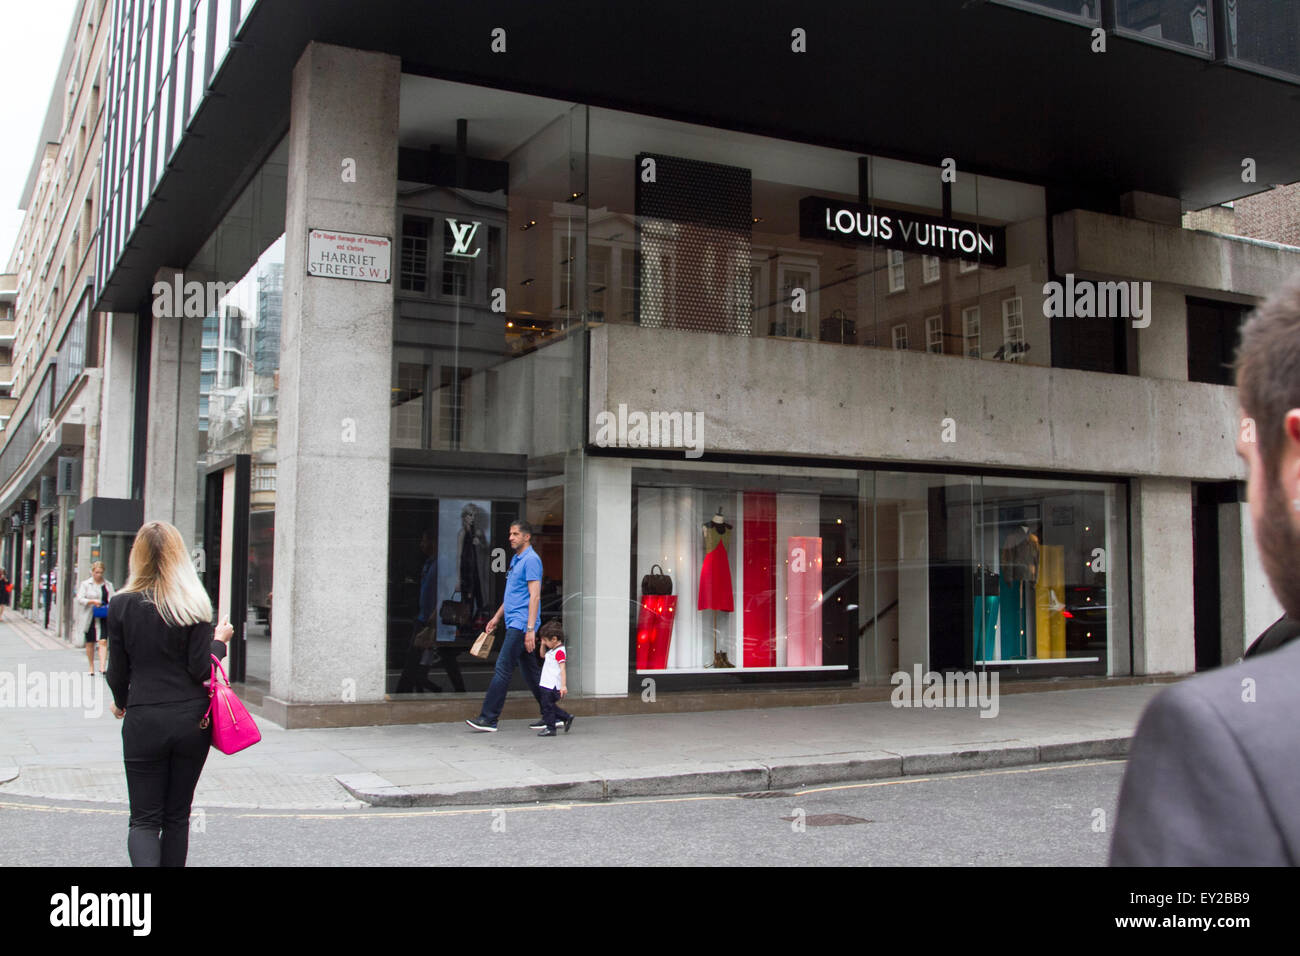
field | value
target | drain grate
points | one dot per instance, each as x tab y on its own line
829	820
764	794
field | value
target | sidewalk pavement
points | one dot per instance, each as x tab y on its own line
75	752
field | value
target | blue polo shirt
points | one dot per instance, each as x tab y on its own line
524	567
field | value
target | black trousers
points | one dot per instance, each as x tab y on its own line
164	750
551	709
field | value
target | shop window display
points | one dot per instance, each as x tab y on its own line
977	572
758	577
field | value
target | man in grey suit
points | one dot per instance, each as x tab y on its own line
1213	777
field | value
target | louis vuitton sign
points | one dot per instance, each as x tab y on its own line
860	224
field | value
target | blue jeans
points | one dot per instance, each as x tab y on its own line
512	653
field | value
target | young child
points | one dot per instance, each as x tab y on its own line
553	682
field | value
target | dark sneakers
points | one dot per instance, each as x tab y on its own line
478	723
568	724
537	725
548	732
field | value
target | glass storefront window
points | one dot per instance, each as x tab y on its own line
487	379
779	236
975	572
755	572
239	378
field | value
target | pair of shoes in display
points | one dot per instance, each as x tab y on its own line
478	723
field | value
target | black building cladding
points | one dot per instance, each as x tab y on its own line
994	86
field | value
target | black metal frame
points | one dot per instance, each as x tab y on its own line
213	513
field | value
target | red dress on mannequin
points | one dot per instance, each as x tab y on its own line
716	591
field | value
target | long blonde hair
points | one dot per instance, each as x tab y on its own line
161	571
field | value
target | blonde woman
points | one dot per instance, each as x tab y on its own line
161	640
93	593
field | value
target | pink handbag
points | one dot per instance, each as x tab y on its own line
233	729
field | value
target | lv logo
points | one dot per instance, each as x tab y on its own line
462	236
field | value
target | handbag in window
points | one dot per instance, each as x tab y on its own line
455	613
656	583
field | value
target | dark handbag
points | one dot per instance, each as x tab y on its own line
656	584
426	637
455	613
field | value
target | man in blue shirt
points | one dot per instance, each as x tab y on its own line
523	597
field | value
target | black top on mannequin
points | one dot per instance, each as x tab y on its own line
718	523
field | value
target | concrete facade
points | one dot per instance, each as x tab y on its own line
888	406
1162	595
172	440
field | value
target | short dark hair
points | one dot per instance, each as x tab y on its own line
1268	370
523	526
552	629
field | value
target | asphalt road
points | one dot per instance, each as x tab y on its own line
1046	815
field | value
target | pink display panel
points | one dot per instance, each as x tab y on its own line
804	602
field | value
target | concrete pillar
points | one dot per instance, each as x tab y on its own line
1163	636
1162	345
606	570
1247	604
331	519
172	444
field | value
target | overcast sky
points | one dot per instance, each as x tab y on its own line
32	35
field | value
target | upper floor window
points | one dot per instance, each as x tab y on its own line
415	254
1013	328
897	277
900	336
970	330
929	269
934	334
455	265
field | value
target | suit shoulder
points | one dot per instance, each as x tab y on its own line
1243	694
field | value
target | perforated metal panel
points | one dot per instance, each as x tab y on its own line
693	245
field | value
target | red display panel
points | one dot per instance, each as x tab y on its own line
759	561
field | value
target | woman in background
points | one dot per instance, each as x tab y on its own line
5	589
94	592
161	644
